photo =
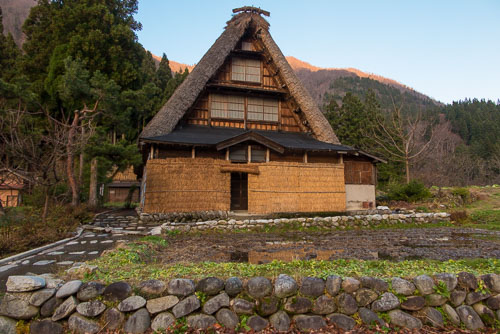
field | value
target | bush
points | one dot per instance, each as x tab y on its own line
463	193
458	216
411	192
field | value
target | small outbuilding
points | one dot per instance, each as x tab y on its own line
243	134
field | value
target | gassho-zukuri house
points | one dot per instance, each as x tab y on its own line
242	133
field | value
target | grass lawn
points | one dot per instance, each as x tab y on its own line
485	213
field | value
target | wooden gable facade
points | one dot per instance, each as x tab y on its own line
242	133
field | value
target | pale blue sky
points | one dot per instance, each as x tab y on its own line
448	50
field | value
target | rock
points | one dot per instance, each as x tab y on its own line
324	305
432	317
69	289
227	318
492	282
161	304
162	321
8	326
215	303
350	284
267	306
297	305
41	296
91	309
435	299
402	286
65	309
113	319
467	281
242	306
457	297
80	325
308	322
342	321
347	304
233	286
487	315
180	287
201	321
475	297
131	303
139	322
373	283
152	287
424	284
403	319
117	291
450	280
494	302
388	301
24	283
18	308
333	285
312	286
469	317
285	286
90	290
257	323
369	317
451	314
210	285
43	327
186	306
259	287
280	321
413	303
52	283
50	306
365	296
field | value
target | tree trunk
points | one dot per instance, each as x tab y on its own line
70	161
45	206
93	183
80	170
407	165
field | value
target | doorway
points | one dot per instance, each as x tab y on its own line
239	191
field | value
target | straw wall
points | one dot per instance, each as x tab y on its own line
296	187
184	185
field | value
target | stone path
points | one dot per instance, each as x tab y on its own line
105	231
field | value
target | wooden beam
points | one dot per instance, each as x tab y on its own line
267	154
227	154
249	149
305	157
193	152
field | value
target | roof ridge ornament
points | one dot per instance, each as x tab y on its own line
251	9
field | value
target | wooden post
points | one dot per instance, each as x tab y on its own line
227	154
249	153
193	152
151	152
267	155
305	157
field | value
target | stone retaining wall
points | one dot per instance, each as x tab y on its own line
340	222
256	303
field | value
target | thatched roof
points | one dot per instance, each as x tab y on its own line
187	93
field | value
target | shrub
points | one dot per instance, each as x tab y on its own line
458	216
463	193
411	192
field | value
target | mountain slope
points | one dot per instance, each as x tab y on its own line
14	13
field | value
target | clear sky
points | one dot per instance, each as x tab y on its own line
447	49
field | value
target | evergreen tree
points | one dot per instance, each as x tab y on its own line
164	73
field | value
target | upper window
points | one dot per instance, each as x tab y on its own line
245	70
261	109
227	106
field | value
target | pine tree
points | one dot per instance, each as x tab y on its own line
164	73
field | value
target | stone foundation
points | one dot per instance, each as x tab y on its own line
50	305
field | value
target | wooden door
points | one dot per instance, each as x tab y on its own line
239	191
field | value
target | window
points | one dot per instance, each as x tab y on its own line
260	109
258	154
245	70
227	106
238	154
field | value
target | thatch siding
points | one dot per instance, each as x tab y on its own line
187	185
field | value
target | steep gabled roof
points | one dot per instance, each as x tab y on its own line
186	94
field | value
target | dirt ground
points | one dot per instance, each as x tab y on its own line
399	244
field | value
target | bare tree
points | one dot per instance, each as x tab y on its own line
401	137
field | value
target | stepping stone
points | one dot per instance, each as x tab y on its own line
55	253
43	262
93	253
90	235
65	263
77	253
83	242
102	235
7	267
25	262
72	243
93	241
107	242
